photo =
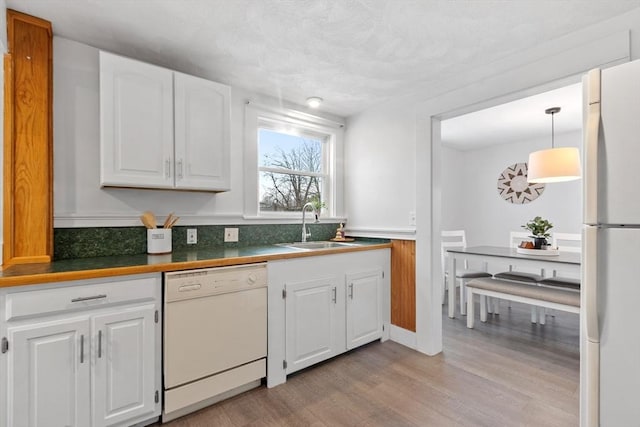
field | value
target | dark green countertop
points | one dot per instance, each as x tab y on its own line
88	268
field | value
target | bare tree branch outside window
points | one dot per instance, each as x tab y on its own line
282	191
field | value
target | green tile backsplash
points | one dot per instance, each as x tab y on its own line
70	243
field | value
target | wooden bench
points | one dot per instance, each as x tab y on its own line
558	299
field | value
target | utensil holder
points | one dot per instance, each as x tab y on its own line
158	240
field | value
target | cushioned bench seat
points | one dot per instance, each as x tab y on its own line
519	276
561	282
558	299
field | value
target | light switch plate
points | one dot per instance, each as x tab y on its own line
230	234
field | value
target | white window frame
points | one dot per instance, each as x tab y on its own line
274	118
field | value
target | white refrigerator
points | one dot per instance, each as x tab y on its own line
610	315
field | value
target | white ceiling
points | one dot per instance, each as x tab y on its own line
352	53
516	121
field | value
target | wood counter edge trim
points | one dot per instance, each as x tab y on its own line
36	279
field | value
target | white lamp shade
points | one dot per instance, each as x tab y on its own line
554	165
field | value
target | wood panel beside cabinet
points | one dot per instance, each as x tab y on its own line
28	144
403	284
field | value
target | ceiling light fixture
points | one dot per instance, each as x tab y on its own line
314	101
555	164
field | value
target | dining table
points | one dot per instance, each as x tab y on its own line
567	262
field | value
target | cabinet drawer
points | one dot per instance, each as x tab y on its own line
77	296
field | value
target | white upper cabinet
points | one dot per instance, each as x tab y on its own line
201	133
136	126
162	129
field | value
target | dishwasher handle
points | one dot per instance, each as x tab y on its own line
206	283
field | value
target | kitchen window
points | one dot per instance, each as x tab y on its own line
295	156
293	168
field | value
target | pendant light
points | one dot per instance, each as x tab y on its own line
555	164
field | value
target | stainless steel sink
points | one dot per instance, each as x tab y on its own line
314	245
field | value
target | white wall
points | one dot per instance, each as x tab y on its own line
380	175
78	198
3	25
560	62
455	180
470	199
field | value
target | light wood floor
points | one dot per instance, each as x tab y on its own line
506	372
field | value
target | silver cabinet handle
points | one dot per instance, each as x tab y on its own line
100	343
334	298
351	290
80	299
167	168
81	348
180	168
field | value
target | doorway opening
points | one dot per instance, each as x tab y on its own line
473	151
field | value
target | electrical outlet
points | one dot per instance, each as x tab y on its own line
412	218
230	234
192	236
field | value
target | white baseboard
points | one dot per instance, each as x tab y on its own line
404	337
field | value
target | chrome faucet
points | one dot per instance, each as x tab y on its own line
305	231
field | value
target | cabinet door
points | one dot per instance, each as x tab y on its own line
364	307
136	123
48	374
123	379
202	133
314	319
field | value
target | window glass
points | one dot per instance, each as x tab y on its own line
292	170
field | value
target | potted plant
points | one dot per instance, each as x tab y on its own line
318	205
539	229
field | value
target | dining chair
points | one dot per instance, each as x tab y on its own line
456	239
565	242
515	238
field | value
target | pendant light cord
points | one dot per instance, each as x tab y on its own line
552	139
552	111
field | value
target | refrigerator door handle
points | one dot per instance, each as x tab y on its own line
592	130
590	282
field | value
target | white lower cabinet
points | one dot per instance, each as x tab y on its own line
315	326
322	306
48	373
125	359
82	354
364	307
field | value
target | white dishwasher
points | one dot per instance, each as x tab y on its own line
215	335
